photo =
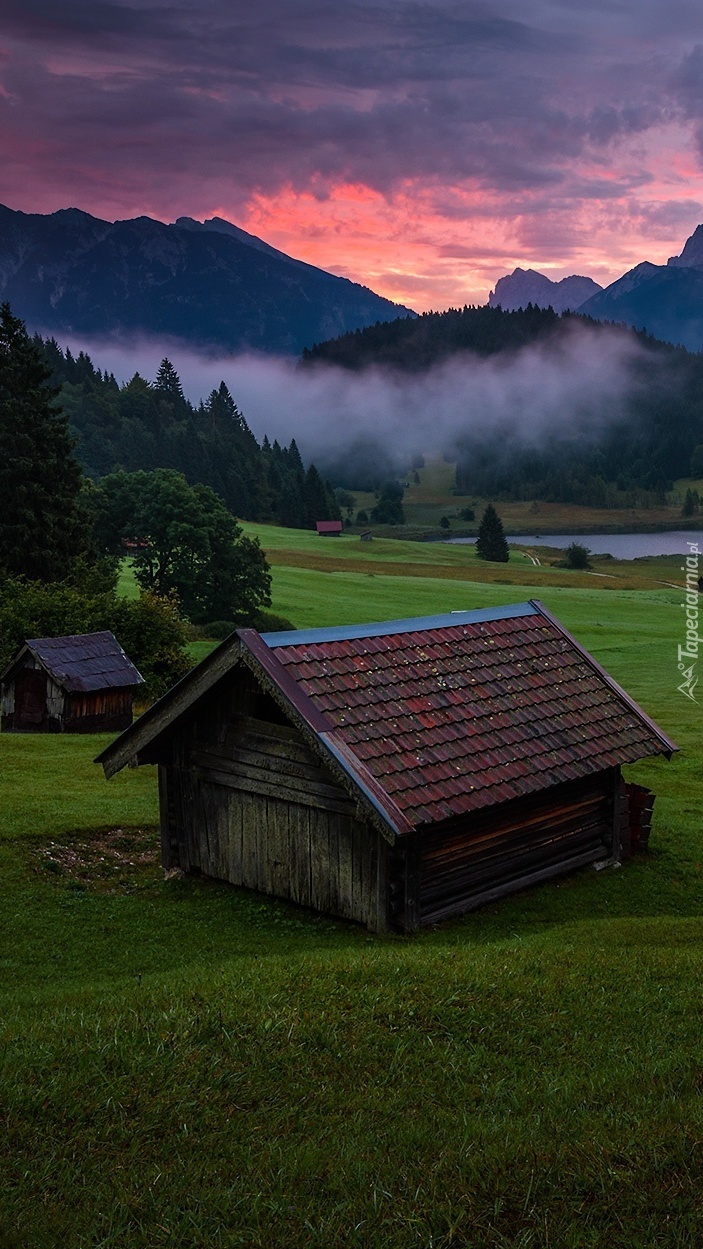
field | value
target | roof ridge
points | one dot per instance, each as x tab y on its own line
386	628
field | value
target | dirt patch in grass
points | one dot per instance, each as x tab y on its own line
112	860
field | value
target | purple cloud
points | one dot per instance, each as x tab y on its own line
122	108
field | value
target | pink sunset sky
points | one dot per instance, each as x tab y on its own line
424	149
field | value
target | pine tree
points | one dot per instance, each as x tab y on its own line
40	481
168	383
315	498
491	543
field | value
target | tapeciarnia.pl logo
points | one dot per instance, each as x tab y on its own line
688	654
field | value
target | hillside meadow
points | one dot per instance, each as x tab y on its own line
188	1064
435	495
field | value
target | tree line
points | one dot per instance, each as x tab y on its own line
64	535
633	461
145	425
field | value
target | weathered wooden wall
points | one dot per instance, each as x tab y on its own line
244	799
32	701
470	862
106	711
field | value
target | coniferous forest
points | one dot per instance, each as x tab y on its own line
632	460
147	425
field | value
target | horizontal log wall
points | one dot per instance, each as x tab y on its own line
516	844
252	805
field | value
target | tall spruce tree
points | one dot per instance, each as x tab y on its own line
491	543
40	481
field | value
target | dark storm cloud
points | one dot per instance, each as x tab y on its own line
306	92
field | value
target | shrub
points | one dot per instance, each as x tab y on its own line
269	622
152	633
576	556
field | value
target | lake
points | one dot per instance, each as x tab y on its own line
620	545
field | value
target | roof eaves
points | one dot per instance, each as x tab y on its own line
16	658
384	812
669	745
159	717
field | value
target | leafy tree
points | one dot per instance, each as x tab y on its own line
467	513
576	556
362	517
697	461
491	543
185	542
40	481
389	509
444	522
345	500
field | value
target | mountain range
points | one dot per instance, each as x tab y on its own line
527	286
208	283
666	300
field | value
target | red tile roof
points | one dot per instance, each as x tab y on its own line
447	718
328	526
433	718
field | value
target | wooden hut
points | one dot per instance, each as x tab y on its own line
394	773
83	683
329	528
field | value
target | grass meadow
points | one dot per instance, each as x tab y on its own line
433	496
185	1064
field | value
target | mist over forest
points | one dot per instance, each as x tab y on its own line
528	404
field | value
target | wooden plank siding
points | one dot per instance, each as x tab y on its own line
251	804
470	862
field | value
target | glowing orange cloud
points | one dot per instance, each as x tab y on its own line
440	247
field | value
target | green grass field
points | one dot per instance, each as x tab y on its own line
426	501
185	1064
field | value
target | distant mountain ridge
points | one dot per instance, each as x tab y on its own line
527	286
208	284
665	300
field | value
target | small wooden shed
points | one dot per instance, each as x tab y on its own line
329	528
83	683
394	773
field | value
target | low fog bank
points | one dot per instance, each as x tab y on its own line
543	393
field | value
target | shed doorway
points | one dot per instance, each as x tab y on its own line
30	698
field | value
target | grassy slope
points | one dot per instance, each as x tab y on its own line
186	1064
426	501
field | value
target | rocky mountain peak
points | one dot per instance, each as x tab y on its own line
692	255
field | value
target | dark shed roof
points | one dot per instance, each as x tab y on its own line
82	661
435	717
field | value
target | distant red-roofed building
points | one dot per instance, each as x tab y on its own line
329	528
396	773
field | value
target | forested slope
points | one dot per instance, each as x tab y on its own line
144	425
623	455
